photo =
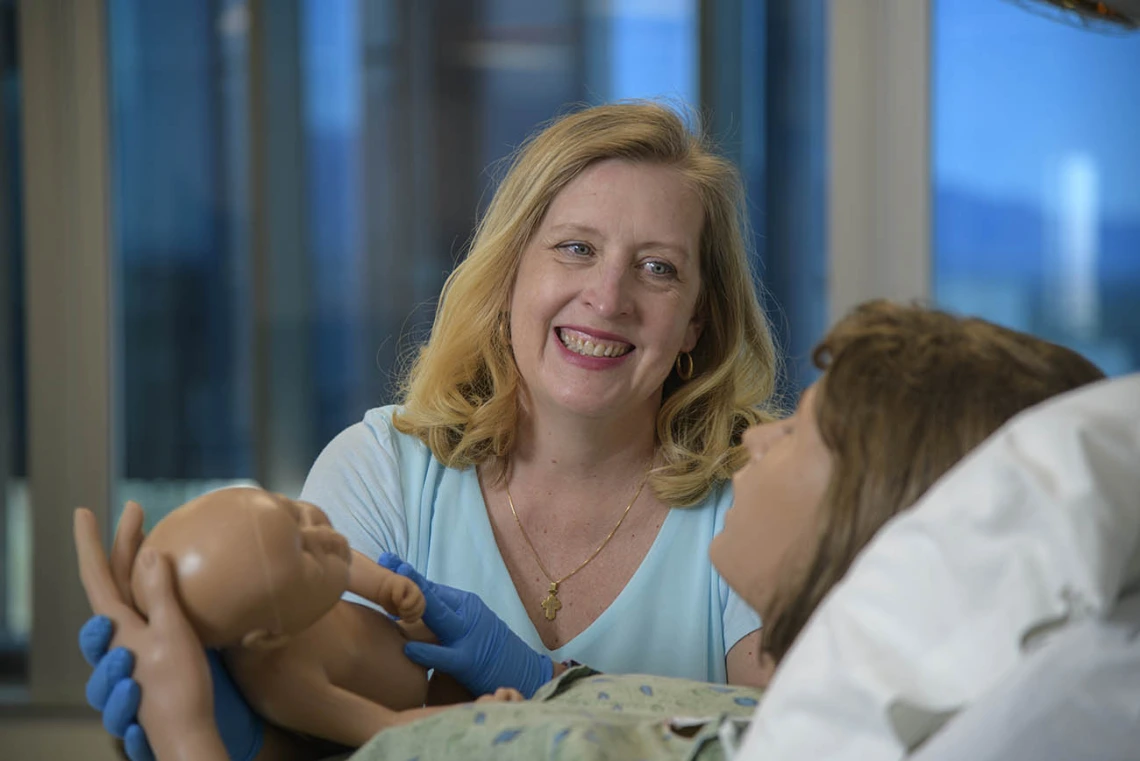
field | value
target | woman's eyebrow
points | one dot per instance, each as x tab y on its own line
574	227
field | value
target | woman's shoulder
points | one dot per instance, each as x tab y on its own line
716	502
377	430
372	442
372	469
704	518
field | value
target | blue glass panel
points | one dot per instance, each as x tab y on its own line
1035	160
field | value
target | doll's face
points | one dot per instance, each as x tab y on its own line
306	561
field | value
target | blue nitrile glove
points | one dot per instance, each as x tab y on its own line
475	646
111	691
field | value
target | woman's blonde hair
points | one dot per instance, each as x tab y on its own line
460	395
906	393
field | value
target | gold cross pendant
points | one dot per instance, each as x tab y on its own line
551	604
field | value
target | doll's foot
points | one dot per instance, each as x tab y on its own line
502	695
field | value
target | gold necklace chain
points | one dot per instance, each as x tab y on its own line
551	604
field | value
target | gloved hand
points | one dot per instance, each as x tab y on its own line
111	691
475	646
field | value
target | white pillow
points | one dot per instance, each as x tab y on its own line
1040	524
1077	697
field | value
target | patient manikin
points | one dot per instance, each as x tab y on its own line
260	577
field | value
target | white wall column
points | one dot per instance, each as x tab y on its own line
879	188
63	64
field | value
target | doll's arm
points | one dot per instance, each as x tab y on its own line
397	594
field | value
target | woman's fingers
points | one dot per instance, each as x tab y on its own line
136	745
114	668
95	638
98	583
441	618
122	707
128	537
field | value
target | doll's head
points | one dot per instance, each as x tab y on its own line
251	567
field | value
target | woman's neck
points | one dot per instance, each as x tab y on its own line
574	448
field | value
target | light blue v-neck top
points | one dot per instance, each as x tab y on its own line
385	491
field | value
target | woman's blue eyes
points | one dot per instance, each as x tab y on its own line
654	267
578	249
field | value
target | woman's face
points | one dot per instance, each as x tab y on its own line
606	290
769	532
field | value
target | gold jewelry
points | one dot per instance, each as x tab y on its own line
686	373
551	604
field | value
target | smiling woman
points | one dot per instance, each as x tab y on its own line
576	355
567	433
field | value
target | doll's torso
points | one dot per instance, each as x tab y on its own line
351	648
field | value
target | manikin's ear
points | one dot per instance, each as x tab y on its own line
263	639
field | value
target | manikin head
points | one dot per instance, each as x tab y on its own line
906	393
251	567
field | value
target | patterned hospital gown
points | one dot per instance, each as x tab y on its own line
582	715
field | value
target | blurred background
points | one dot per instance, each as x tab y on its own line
224	223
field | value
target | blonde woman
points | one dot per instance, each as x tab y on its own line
565	440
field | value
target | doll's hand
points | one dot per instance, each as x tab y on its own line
475	646
397	595
502	695
407	600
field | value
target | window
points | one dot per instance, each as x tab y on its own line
291	191
1036	204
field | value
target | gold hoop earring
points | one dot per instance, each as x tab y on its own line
684	369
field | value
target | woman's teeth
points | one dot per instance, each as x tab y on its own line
590	347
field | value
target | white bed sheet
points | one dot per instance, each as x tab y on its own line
1077	696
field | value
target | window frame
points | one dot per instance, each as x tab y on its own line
66	179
